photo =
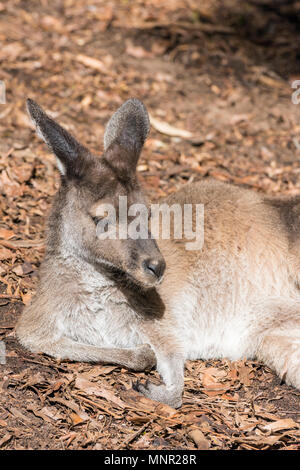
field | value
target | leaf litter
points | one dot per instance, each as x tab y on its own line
219	97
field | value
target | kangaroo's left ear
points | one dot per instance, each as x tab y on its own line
125	135
61	143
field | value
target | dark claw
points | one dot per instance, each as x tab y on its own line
136	385
139	387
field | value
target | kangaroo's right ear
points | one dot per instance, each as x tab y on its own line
61	143
125	135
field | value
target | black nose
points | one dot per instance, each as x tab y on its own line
155	267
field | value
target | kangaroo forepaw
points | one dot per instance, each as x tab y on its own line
144	358
171	396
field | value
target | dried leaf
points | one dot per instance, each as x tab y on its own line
76	419
39	414
98	371
167	129
5	439
52	23
6	234
52	413
11	51
137	401
9	187
92	63
18	270
280	425
91	388
244	375
5	254
137	51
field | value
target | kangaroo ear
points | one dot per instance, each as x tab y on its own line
125	135
61	143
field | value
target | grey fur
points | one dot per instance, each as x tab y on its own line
129	125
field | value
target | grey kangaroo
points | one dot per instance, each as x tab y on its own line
145	302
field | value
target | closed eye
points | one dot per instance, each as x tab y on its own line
97	218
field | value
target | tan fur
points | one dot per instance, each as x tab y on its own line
236	297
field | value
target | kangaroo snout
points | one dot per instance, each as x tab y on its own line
154	267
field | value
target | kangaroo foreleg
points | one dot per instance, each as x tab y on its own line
170	365
140	358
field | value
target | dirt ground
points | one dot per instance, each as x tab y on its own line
221	71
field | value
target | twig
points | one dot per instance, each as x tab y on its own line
201	27
7	296
96	404
134	435
25	359
16	244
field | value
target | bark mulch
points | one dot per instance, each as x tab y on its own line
216	77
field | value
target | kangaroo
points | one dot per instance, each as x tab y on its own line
145	302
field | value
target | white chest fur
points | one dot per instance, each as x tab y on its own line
94	311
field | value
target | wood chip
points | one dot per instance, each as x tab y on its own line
200	440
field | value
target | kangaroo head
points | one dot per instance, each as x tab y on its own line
91	186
